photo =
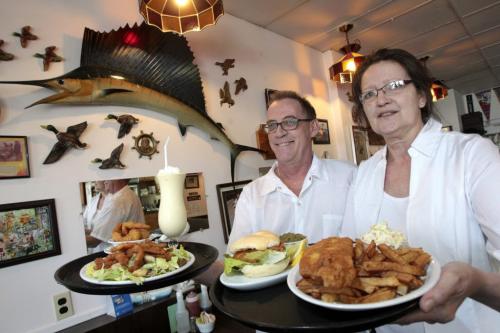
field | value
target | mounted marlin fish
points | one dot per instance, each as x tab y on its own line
142	67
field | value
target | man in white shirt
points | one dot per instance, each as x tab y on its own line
121	206
301	193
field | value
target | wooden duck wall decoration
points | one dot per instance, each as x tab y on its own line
113	161
65	141
126	122
154	71
4	56
25	36
225	95
49	57
241	85
225	65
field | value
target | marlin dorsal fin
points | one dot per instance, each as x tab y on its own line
162	61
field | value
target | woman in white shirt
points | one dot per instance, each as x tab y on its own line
439	188
90	213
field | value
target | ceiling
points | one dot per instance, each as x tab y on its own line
461	37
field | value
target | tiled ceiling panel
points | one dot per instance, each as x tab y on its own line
462	37
465	7
260	12
328	15
480	22
434	39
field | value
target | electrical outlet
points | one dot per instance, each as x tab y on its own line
63	305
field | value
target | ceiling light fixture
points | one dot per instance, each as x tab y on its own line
181	16
342	70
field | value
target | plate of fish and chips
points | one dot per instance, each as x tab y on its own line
136	263
341	274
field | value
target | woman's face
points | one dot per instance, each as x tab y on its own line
396	114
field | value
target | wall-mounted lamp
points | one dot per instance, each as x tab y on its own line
438	89
342	70
181	16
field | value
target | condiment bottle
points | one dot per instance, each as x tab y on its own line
193	304
181	314
205	303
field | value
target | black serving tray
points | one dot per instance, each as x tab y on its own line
69	274
277	309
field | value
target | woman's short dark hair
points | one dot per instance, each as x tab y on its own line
418	73
304	103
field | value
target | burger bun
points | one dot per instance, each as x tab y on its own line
260	240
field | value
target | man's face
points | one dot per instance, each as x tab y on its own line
291	147
108	186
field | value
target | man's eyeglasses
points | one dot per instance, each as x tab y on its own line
390	88
287	124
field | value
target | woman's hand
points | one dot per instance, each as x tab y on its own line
439	305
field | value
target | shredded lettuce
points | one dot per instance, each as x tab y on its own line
233	266
153	267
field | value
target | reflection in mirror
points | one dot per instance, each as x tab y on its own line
96	201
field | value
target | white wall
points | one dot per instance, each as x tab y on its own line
265	59
447	110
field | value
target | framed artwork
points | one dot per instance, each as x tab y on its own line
28	231
323	136
269	93
228	195
263	143
360	144
14	162
191	181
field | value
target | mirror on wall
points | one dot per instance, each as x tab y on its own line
149	193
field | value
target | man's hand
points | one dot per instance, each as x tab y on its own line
439	305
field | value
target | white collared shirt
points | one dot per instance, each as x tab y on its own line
453	209
268	204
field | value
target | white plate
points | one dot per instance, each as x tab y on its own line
241	282
116	283
433	273
112	242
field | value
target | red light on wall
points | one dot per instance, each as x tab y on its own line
131	38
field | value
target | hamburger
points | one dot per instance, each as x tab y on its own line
256	255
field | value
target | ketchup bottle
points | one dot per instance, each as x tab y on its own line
193	304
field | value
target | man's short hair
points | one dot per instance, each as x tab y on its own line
304	103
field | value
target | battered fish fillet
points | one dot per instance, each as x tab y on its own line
329	262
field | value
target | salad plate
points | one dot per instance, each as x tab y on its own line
89	279
430	280
241	282
69	276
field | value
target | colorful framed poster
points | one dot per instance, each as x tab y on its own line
28	231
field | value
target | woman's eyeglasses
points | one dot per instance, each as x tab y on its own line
389	89
287	124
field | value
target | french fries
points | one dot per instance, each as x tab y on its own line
382	273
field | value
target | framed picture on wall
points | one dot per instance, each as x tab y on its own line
360	144
29	232
323	136
14	162
191	181
228	195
